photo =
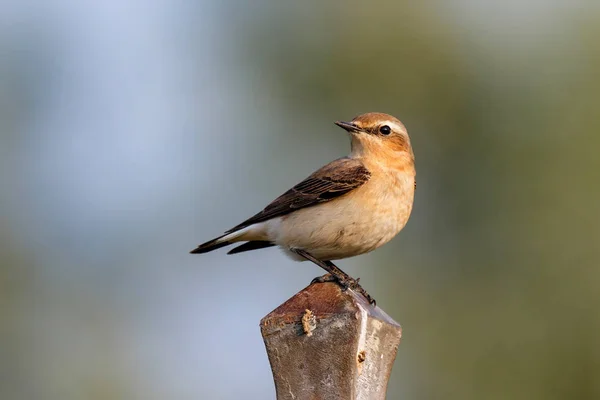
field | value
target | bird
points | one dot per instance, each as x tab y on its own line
351	206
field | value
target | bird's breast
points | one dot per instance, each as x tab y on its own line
355	223
390	204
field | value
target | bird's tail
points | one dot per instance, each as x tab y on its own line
211	245
243	235
222	241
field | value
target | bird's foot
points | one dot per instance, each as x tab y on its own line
351	283
324	278
366	295
345	283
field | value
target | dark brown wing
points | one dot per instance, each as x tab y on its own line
333	180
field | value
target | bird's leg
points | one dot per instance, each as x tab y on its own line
352	283
335	275
330	278
327	278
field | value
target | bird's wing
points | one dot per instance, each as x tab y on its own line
333	180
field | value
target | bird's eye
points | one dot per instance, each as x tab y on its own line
385	130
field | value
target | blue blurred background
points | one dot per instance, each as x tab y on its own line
131	131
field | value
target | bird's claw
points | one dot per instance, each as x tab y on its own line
324	278
345	284
359	289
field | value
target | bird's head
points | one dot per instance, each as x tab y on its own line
380	137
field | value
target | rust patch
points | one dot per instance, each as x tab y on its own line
321	298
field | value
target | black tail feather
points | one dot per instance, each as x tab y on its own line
210	246
252	245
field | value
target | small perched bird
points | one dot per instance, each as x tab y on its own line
350	206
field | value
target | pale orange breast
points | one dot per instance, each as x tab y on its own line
356	223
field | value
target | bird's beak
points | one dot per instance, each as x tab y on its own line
349	126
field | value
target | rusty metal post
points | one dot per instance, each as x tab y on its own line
326	344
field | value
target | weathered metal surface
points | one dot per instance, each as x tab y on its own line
329	344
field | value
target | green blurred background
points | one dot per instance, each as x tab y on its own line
132	131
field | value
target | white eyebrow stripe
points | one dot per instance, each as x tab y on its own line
395	126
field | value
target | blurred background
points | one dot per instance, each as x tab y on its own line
131	131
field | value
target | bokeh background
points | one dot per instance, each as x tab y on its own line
131	131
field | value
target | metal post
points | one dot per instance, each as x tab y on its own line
326	344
